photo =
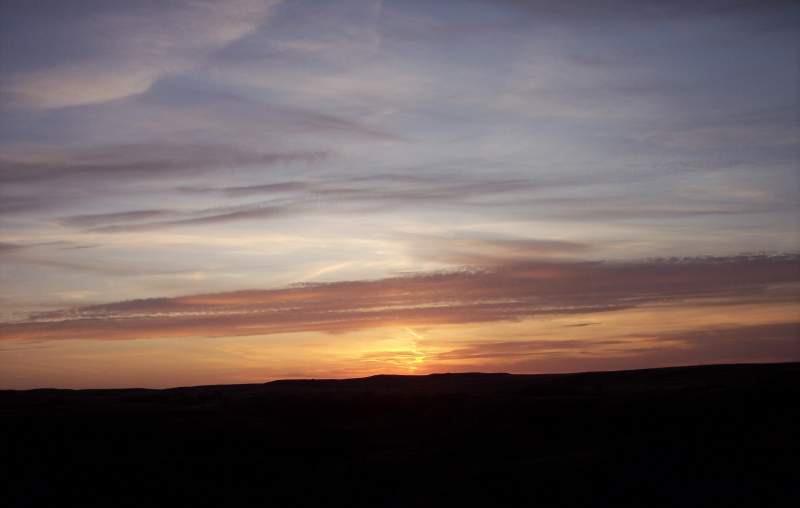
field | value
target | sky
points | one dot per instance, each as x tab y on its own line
201	192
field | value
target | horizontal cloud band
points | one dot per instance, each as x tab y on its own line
509	292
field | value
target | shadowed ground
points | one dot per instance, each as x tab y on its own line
691	436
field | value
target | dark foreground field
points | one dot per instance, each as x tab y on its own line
695	436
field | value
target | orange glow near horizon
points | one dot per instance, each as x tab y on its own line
676	333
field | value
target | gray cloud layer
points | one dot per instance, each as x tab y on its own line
136	162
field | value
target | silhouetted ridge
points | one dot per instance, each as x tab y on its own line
722	435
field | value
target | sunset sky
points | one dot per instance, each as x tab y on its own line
204	192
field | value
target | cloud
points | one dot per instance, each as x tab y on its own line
10	247
491	251
772	130
250	190
205	217
721	344
524	348
6	248
649	11
769	341
89	220
40	179
386	188
192	107
508	292
26	253
348	195
135	162
630	210
521	198
116	49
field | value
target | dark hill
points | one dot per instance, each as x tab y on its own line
691	436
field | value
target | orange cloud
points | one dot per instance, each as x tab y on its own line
508	292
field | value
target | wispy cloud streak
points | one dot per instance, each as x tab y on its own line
137	162
503	293
718	344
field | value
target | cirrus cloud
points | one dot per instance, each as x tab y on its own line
123	47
